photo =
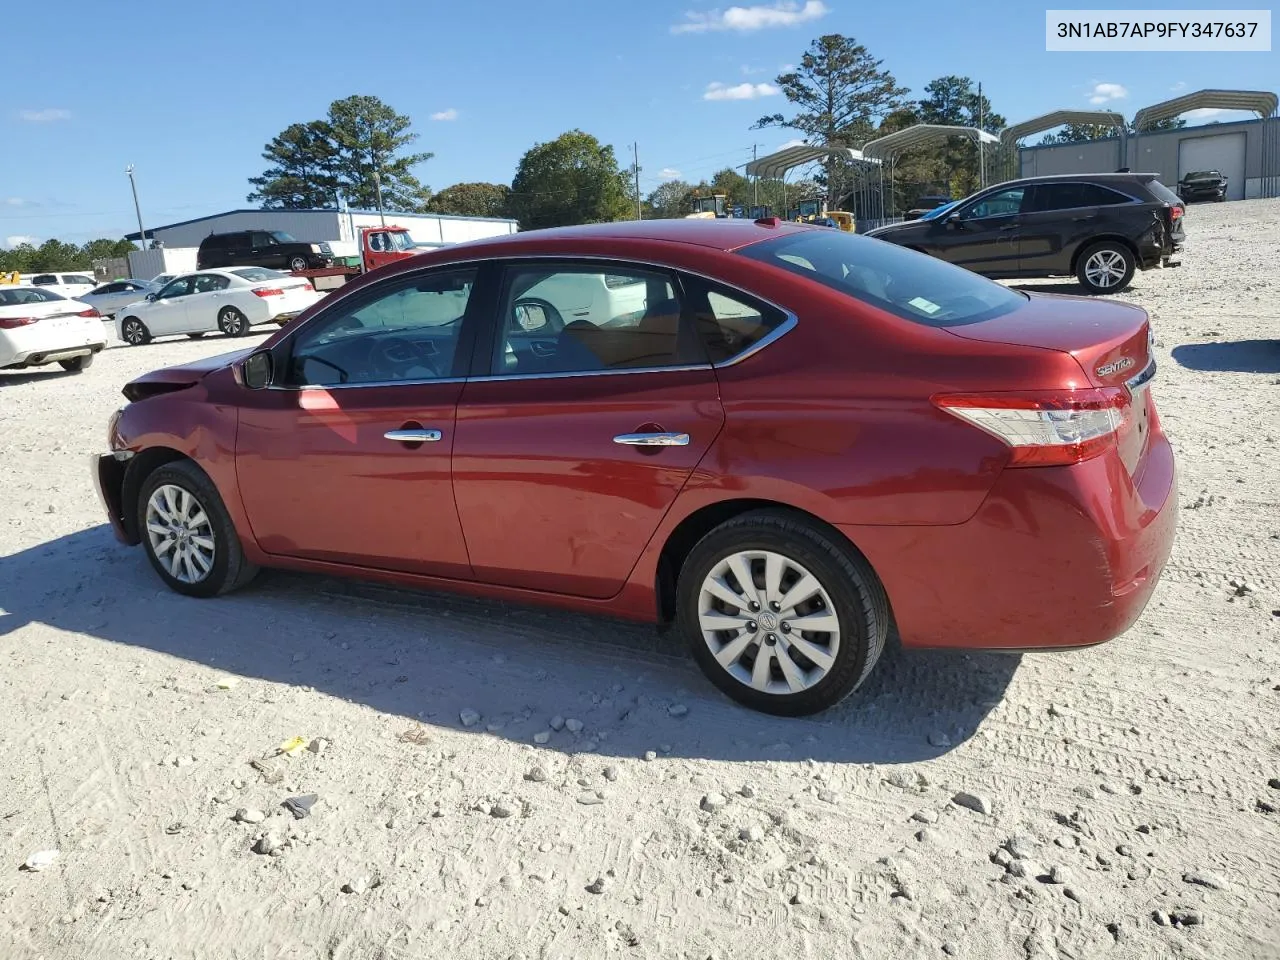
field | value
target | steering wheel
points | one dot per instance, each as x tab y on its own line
391	357
554	322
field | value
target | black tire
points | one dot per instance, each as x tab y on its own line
195	336
134	332
76	364
232	322
230	570
298	263
857	597
1106	250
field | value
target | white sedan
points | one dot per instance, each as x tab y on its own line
39	326
110	297
231	300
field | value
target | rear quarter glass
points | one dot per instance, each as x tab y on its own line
909	285
1163	193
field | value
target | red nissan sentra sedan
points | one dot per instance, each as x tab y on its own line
787	439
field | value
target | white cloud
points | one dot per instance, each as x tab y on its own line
790	143
1180	85
1106	92
450	114
742	91
47	115
16	240
669	173
1217	113
14	202
783	13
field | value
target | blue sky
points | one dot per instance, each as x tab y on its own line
190	92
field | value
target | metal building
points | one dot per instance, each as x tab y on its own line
1247	151
339	228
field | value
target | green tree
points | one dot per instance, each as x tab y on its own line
358	145
839	92
953	101
472	200
1078	132
369	136
571	179
670	199
106	250
303	174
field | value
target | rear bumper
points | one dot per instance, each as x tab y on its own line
1055	558
108	480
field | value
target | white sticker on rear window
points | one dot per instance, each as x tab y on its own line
927	306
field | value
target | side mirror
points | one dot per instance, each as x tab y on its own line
256	370
151	297
953	221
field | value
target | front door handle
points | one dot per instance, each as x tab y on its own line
653	439
414	436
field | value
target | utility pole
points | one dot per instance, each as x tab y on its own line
982	169
756	178
377	186
142	234
635	152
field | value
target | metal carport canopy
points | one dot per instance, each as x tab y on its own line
1259	101
1047	121
919	135
775	165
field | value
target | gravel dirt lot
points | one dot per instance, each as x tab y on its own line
506	782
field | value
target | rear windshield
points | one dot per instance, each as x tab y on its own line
910	285
1163	193
16	297
257	274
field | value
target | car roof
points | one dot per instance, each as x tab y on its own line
1076	177
722	234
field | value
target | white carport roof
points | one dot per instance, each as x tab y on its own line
1047	121
774	166
920	135
1259	101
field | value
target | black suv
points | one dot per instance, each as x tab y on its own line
1098	227
261	248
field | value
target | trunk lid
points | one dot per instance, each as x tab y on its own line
1110	341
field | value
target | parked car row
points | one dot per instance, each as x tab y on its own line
788	440
1099	228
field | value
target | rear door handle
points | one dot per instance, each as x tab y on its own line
653	439
414	436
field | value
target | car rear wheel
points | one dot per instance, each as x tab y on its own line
1106	267
298	263
188	535
76	364
232	322
134	332
779	615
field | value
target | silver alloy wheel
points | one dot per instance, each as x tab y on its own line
294	263
233	322
768	622
133	332
180	533
1105	268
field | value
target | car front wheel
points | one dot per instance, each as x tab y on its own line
780	615
134	332
1106	267
298	263
188	535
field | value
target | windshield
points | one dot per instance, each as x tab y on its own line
910	285
257	274
282	237
936	212
1199	174
401	240
17	296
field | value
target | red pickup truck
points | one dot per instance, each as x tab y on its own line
378	246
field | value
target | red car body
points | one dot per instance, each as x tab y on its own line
837	418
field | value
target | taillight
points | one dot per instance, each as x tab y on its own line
268	291
91	312
1175	212
12	323
1045	429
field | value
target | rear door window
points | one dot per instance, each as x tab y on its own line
730	323
906	284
